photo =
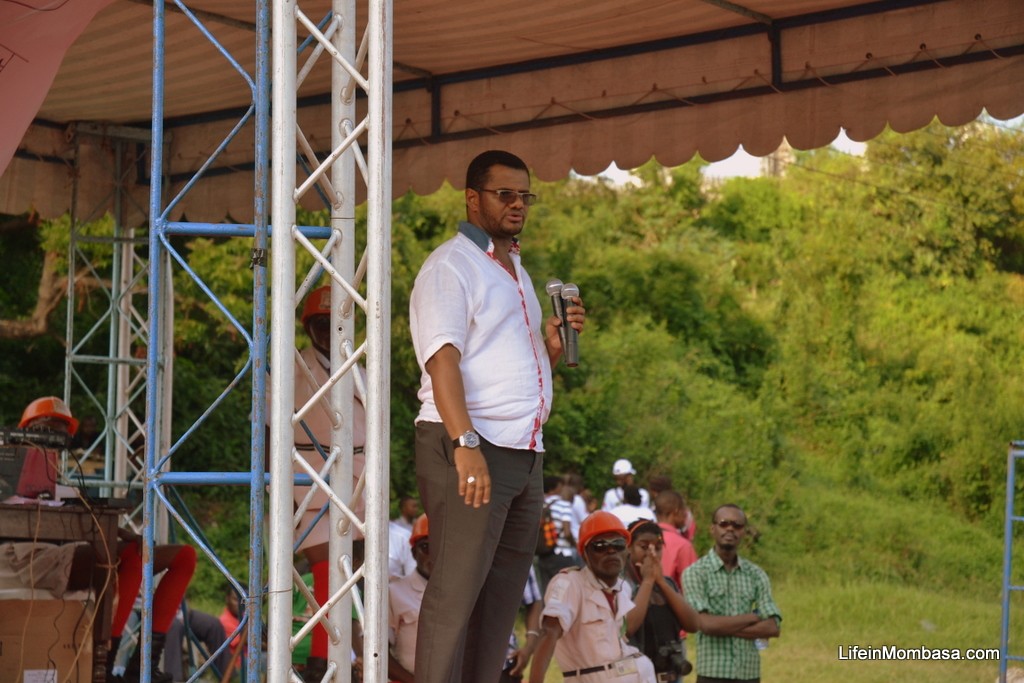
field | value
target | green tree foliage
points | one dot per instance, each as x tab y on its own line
18	280
898	314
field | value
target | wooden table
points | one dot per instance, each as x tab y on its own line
96	526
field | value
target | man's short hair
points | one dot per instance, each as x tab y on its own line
658	483
734	506
479	169
668	502
574	480
552	482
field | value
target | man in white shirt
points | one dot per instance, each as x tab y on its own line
486	352
631	508
408	511
624	474
400	559
572	487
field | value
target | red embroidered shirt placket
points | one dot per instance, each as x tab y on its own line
514	249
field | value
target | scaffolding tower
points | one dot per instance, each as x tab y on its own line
132	344
1013	518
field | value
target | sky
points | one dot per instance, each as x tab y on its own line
740	163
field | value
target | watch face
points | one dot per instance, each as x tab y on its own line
471	440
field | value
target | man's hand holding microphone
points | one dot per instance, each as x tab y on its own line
563	328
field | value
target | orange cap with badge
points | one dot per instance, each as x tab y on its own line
420	529
598	523
317	303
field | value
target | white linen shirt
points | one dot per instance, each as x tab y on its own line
400	560
463	296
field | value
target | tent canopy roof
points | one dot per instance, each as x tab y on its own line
567	85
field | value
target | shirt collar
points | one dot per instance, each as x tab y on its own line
667	528
481	239
595	582
720	566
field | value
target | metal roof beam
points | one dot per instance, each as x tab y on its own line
741	10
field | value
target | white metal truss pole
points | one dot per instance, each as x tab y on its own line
343	226
119	399
378	334
345	163
282	326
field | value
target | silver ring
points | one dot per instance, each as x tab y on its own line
470	480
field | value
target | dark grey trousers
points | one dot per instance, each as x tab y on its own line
481	558
207	629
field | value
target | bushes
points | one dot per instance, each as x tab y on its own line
831	534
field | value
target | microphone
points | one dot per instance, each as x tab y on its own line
570	342
554	288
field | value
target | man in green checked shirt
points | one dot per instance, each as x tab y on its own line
734	599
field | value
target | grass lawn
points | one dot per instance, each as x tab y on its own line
818	619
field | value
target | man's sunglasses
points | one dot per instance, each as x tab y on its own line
729	524
510	196
603	546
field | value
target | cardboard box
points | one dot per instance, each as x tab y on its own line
45	641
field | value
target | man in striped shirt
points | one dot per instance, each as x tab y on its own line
561	555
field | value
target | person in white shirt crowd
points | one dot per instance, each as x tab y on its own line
632	508
624	474
408	511
405	596
572	488
586	612
400	559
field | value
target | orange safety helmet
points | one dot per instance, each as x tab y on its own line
420	529
317	303
49	406
598	523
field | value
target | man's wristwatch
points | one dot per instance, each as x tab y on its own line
469	439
